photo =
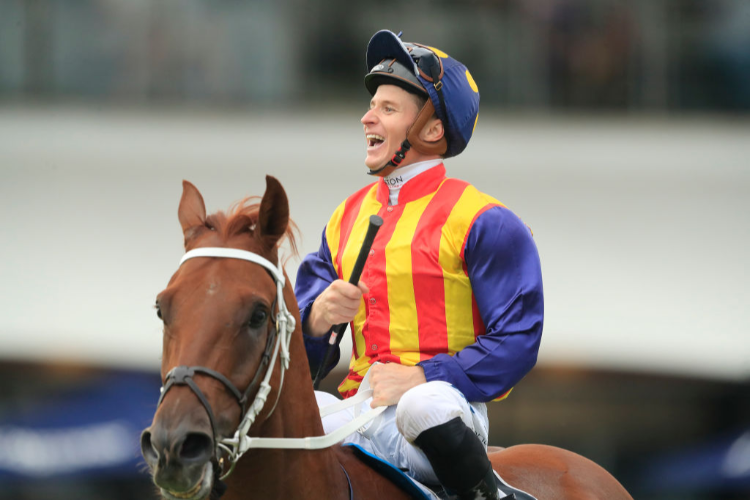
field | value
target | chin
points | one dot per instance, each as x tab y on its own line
201	491
374	164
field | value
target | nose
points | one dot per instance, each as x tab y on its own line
369	117
177	458
178	448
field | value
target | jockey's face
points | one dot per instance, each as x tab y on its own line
392	111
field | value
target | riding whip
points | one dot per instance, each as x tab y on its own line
338	330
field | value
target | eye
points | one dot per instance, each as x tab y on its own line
258	318
158	310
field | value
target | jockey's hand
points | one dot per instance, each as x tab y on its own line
390	381
337	304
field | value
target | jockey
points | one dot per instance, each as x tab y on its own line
448	315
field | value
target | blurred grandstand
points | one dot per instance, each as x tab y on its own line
619	131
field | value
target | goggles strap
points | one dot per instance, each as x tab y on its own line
438	84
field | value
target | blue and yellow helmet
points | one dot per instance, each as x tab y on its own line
414	67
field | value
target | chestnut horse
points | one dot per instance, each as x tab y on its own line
220	320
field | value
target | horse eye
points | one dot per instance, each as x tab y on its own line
158	310
258	318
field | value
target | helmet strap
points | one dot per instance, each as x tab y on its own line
394	162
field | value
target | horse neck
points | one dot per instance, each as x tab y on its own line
277	474
271	473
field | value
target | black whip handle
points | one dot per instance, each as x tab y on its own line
359	265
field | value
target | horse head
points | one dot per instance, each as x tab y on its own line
220	331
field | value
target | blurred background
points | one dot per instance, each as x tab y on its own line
618	130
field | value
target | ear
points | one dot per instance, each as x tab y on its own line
433	130
273	216
192	211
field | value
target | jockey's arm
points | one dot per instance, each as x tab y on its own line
314	276
505	274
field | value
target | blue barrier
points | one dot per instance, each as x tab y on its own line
92	430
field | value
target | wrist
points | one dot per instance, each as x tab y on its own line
418	376
316	324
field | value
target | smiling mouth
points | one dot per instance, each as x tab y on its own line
374	140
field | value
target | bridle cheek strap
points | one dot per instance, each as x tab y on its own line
236	446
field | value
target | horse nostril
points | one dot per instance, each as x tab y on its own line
147	448
197	447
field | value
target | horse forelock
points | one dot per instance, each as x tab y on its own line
242	217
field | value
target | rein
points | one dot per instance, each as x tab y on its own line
277	345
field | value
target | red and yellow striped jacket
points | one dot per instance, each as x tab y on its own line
421	302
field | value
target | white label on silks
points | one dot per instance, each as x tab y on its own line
394	181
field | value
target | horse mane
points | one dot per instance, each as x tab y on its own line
242	217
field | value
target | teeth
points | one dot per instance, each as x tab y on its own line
373	139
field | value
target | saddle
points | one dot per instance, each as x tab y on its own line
420	491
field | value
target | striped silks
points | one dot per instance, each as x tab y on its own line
420	302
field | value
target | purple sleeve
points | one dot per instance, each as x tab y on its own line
313	276
505	274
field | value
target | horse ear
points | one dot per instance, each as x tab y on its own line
192	211
273	216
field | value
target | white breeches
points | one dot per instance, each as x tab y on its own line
390	435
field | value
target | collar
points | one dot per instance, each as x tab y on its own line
402	175
424	183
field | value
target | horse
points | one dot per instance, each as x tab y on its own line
227	323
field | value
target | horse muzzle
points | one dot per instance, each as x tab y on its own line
180	462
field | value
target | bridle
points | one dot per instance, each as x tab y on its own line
277	345
277	342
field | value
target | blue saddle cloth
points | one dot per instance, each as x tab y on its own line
390	471
419	491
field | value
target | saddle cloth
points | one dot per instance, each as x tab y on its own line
420	491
